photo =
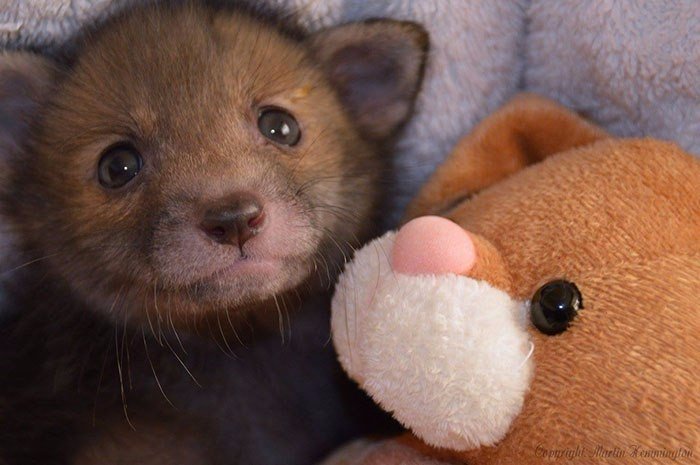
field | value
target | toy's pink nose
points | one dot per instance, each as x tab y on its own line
433	245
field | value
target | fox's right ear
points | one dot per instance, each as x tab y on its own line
26	81
376	66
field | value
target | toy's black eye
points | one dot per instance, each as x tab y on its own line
279	126
554	306
119	165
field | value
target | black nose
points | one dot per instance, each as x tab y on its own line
234	220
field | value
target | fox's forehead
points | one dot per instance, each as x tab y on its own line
164	74
184	56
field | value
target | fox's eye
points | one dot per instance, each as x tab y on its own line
279	126
119	165
554	306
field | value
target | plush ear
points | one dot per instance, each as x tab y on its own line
526	130
376	66
25	82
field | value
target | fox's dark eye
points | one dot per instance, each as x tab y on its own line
279	126
554	306
119	165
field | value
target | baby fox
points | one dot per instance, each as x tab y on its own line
175	185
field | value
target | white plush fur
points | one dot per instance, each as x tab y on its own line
449	356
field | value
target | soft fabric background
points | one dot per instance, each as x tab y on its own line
631	66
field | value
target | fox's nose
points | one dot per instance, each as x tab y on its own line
234	220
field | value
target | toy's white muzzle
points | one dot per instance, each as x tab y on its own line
447	355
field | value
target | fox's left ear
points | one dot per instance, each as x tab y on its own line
25	82
376	67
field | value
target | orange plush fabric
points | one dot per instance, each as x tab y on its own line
548	196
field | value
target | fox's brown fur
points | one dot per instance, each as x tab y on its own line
122	308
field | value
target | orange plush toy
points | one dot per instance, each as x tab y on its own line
550	310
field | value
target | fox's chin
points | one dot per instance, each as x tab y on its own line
238	288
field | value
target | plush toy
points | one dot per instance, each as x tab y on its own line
549	311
